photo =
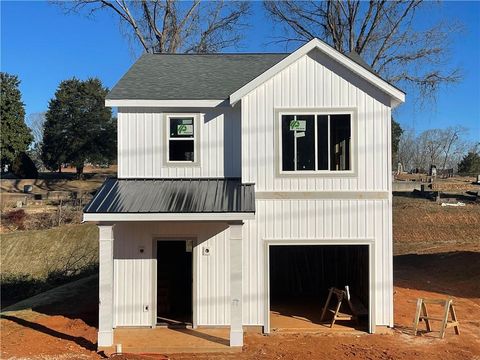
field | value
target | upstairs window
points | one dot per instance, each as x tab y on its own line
181	139
316	142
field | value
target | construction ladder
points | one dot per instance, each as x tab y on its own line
422	314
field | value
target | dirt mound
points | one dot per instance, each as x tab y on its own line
422	226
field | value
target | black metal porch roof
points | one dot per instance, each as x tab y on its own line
190	195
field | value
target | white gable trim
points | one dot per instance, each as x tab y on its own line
397	96
163	103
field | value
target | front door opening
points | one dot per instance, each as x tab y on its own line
174	283
300	279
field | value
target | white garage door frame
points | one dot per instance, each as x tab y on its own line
299	242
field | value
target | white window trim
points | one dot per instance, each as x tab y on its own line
318	111
197	118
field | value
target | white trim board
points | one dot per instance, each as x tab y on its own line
397	95
163	103
114	217
330	195
333	241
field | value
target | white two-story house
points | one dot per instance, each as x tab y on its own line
247	184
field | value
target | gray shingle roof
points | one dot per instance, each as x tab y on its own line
190	76
200	195
353	55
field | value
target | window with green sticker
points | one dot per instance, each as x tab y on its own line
315	142
181	139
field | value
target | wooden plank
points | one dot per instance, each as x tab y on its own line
417	316
422	317
445	318
325	307
425	317
435	301
454	320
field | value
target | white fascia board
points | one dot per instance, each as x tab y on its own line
162	103
114	217
397	95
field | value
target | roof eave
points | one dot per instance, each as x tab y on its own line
194	103
213	216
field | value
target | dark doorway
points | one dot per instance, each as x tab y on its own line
301	276
174	283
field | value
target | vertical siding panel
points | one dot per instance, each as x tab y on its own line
269	135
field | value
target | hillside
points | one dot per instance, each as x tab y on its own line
37	260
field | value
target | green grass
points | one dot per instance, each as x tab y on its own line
41	252
37	260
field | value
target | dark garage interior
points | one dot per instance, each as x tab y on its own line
300	279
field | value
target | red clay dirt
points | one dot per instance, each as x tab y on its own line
33	334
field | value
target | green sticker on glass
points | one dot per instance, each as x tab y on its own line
298	125
184	129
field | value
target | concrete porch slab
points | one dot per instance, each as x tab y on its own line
169	340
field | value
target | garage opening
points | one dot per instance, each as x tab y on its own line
301	277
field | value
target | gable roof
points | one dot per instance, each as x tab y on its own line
350	62
190	76
210	79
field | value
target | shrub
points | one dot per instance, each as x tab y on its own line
23	167
17	218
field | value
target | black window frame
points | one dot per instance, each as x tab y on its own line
329	156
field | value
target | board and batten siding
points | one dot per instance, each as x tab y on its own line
319	83
134	272
318	221
302	220
142	143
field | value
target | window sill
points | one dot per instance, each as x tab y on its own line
182	164
319	174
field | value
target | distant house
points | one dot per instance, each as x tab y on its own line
245	182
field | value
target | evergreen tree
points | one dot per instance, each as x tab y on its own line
15	135
78	126
397	132
470	164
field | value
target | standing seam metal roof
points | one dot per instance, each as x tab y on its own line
191	195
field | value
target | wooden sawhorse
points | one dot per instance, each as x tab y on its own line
356	308
422	314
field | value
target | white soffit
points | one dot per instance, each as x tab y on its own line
397	95
162	103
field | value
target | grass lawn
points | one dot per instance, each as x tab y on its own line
35	261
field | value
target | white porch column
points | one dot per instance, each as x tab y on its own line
105	289
236	326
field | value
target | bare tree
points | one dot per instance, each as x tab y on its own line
35	123
169	26
441	147
431	144
407	149
454	146
382	32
